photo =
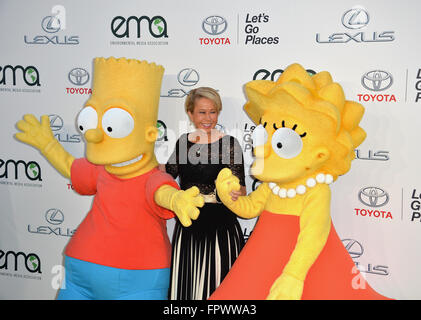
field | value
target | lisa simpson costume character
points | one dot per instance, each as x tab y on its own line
305	138
121	249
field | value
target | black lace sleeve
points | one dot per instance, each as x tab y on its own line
236	159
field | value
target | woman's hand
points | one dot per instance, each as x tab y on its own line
238	193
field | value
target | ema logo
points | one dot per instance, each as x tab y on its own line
155	27
356	19
374	198
52	25
10	259
12	168
264	74
214	26
10	75
376	81
162	131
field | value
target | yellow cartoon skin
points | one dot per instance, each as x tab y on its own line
118	123
305	138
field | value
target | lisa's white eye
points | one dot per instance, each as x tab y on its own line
87	119
287	143
259	136
117	123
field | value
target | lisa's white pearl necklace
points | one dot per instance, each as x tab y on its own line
300	189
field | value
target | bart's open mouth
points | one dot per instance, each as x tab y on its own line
126	163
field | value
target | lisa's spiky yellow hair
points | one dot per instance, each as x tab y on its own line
296	89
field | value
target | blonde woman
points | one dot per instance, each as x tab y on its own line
204	252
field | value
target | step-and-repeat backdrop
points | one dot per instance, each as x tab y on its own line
370	47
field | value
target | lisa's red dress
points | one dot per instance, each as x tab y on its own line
333	276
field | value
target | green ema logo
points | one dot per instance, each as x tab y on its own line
14	169
11	260
11	75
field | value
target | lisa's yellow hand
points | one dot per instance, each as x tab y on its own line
35	133
225	183
185	205
286	287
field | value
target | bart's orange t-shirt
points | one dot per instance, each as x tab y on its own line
125	228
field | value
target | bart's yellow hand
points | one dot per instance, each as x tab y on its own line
34	133
225	183
184	203
39	135
286	287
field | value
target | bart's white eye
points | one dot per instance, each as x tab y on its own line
117	123
287	143
259	136
87	119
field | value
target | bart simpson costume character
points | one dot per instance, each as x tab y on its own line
305	138
121	249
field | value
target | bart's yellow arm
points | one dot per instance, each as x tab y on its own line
183	203
315	225
245	206
39	135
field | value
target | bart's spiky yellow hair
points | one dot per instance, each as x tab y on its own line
137	81
318	93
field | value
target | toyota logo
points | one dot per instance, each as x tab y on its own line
78	76
214	25
373	197
354	248
355	18
377	80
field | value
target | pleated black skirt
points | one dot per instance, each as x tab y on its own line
203	253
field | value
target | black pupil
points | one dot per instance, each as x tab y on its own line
109	129
81	128
279	145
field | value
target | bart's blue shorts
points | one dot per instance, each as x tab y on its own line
89	281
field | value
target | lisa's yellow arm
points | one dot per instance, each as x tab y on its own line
39	135
245	206
315	225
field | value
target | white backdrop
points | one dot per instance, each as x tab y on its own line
47	49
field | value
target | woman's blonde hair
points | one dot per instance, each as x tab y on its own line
203	92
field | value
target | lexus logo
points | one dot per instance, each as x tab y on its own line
354	248
54	216
51	24
188	77
373	197
377	80
56	122
214	25
355	18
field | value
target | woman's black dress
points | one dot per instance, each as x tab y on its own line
204	252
